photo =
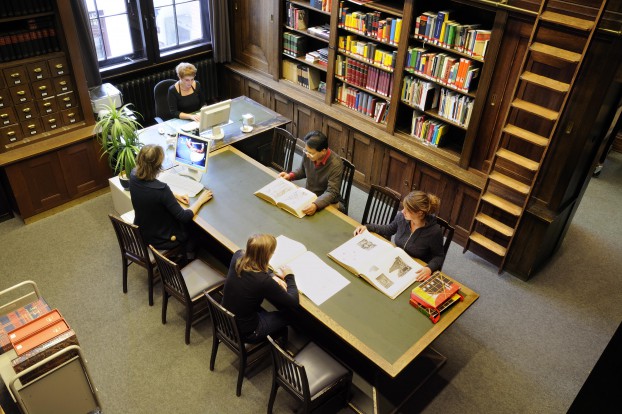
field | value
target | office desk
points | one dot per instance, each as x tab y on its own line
265	120
388	334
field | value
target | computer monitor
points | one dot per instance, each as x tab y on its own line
192	152
212	116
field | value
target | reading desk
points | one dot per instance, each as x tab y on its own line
387	342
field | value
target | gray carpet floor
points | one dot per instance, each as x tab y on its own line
522	347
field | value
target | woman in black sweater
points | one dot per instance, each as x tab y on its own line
249	282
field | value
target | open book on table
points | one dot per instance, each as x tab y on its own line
287	196
387	267
317	280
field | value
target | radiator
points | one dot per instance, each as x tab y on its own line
139	91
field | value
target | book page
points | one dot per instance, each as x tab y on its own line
275	189
286	250
393	273
317	280
295	201
360	252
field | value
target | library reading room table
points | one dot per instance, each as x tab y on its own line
386	342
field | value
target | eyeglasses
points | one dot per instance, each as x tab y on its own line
310	154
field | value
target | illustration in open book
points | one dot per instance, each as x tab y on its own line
287	196
387	267
315	279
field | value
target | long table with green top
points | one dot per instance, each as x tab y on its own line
390	334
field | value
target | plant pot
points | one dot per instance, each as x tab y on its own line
125	181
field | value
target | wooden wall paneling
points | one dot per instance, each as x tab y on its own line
253	33
462	211
37	184
234	85
305	120
84	170
284	106
511	52
435	182
362	151
258	93
397	171
337	134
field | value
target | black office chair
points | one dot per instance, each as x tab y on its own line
187	285
283	148
226	330
448	234
382	205
160	95
134	250
312	376
347	176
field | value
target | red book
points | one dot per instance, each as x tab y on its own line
434	291
39	337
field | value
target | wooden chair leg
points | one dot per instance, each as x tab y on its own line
238	390
150	282
275	388
212	360
188	323
125	264
164	306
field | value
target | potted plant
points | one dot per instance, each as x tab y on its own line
117	133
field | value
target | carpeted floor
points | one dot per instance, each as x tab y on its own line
523	346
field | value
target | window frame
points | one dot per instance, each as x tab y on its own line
142	19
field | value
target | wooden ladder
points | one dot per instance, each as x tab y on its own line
556	49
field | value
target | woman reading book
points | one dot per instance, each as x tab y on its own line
416	231
249	282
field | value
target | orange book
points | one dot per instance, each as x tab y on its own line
39	337
34	326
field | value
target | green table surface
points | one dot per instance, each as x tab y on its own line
391	333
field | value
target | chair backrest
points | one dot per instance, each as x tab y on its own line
447	231
225	325
288	372
347	176
160	95
130	241
171	276
283	148
382	205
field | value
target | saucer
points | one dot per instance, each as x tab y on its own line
246	128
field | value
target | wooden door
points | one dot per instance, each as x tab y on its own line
337	134
234	85
432	181
305	120
362	153
82	169
257	93
397	171
284	106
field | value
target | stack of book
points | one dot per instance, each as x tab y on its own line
322	31
435	295
22	39
294	44
20	317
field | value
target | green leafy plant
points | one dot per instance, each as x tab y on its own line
116	131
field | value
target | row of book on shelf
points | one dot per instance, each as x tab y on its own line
324	5
294	44
439	29
367	51
459	73
33	37
322	31
10	8
362	102
428	131
365	76
371	24
302	74
295	17
386	267
319	56
455	107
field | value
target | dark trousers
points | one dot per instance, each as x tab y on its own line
269	324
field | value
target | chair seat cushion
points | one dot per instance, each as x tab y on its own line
199	276
322	370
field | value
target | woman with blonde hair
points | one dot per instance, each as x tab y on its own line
185	97
416	231
250	281
162	221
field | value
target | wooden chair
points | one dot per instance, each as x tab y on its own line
283	149
347	176
134	250
226	330
187	285
381	206
312	376
448	233
160	96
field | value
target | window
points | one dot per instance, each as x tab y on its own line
129	33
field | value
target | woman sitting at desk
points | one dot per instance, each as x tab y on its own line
249	282
416	231
185	97
162	221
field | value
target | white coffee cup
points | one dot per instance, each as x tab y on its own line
248	120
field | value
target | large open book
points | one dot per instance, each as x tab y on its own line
287	195
388	268
317	280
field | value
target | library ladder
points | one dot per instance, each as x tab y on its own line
557	46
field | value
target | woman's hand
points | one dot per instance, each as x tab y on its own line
182	198
283	271
205	196
359	230
423	274
195	117
284	175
